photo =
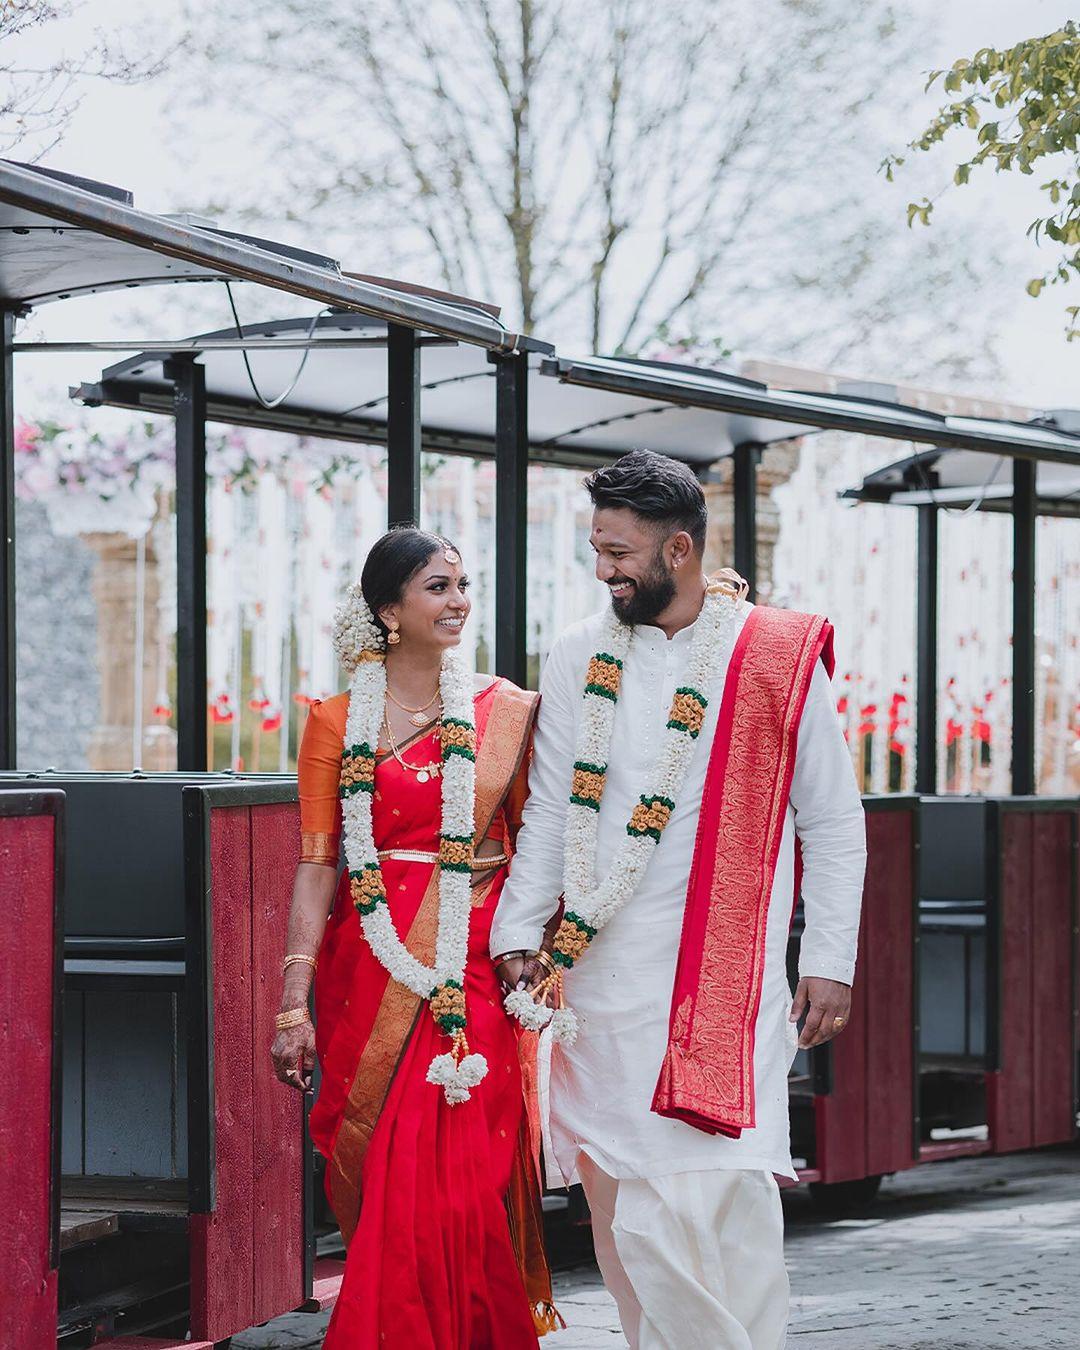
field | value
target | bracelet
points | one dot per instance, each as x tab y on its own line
296	958
293	1018
545	960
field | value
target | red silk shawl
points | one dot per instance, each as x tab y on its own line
707	1077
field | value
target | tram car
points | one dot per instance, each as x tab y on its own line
166	1187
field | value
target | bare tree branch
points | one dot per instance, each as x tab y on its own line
617	168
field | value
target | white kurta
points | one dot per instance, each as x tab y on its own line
602	1087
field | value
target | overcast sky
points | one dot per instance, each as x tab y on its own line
133	136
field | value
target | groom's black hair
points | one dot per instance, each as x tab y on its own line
660	490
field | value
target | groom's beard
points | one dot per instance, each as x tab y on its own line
650	596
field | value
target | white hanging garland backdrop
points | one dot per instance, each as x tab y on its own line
290	521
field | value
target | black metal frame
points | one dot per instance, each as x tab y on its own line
403	425
189	378
926	649
511	511
1023	646
746	458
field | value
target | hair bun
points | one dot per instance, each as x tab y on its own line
355	629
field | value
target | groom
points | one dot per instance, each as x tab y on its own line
671	1105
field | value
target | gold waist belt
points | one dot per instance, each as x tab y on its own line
421	856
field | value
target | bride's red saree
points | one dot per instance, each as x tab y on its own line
439	1204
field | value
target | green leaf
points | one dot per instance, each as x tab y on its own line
1035	287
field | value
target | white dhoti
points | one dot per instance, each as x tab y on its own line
695	1261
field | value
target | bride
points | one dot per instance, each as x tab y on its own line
431	1164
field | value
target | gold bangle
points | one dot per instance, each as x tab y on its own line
293	1018
545	960
296	958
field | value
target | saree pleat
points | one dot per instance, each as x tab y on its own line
420	1187
431	1263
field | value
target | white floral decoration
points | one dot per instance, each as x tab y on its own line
355	631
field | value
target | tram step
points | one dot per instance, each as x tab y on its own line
151	1343
325	1285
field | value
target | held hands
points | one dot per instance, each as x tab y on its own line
519	970
293	1053
829	1002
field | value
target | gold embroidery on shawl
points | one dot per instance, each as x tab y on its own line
716	1064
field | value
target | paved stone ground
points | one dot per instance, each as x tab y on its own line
969	1255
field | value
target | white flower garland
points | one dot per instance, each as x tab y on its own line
590	902
358	642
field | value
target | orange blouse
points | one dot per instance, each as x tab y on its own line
319	772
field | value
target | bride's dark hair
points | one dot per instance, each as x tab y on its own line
393	562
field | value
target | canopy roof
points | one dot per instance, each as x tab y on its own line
841	412
62	236
341	392
964	479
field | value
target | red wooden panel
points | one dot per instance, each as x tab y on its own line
1010	1090
279	1118
1053	1109
28	1287
888	967
222	1262
840	1117
865	1125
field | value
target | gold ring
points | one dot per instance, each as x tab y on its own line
839	1022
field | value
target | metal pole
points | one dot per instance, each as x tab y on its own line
926	652
511	512
7	545
746	458
403	424
1023	647
189	393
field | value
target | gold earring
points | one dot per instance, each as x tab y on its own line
393	637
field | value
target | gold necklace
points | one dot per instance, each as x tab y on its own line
423	771
418	716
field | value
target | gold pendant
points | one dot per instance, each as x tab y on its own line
419	719
422	776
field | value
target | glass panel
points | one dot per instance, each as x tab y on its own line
1057	654
289	522
857	565
974	652
561	580
459	501
95	607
